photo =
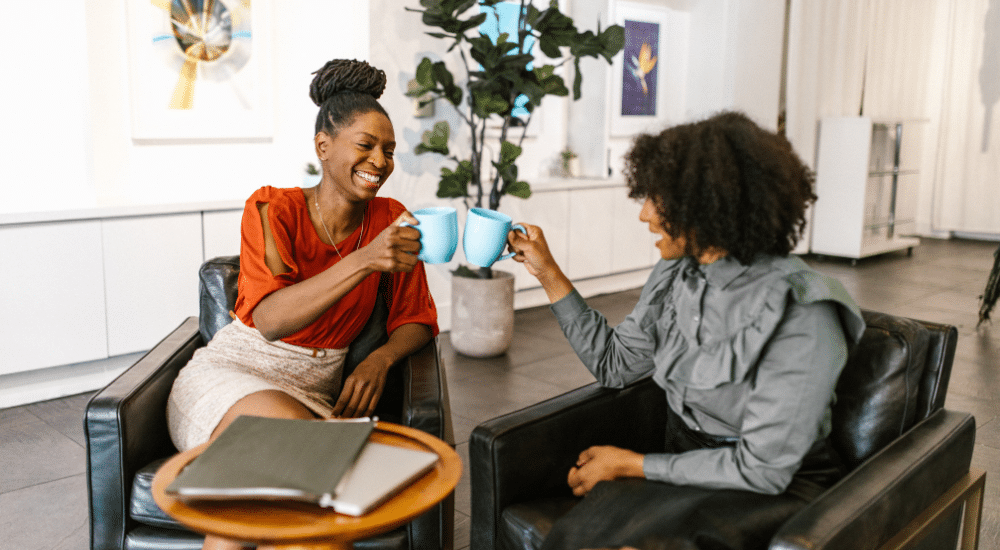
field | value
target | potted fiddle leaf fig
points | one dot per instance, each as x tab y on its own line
496	91
502	82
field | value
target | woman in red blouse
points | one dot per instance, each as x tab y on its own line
310	264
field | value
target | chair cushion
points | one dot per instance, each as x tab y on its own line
152	538
142	507
525	525
877	392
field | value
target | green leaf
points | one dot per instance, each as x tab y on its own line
520	189
544	72
613	39
532	16
455	184
463	5
486	103
443	76
425	75
472	23
509	153
435	140
549	46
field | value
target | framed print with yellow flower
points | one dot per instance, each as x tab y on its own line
648	80
200	69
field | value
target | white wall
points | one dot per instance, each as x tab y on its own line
45	144
73	147
733	60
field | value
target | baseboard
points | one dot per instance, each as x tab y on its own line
33	386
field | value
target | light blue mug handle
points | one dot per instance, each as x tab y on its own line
515	227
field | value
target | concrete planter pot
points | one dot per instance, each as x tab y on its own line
482	314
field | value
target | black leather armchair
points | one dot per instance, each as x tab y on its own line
127	437
909	458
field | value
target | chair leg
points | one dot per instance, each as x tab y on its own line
967	492
973	514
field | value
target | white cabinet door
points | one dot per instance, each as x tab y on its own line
152	277
222	233
633	243
549	211
52	292
591	232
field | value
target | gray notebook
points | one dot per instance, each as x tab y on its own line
273	458
380	472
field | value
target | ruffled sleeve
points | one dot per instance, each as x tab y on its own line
256	280
769	381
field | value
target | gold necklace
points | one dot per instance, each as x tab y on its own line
325	228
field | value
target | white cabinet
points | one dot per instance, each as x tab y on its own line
52	291
151	271
634	246
592	218
548	210
866	180
221	233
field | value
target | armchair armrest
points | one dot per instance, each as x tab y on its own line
882	496
425	394
126	429
526	455
426	408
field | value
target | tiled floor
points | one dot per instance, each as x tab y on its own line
43	490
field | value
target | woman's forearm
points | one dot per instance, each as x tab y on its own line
290	309
403	341
555	283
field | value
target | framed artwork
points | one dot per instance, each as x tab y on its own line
648	79
200	69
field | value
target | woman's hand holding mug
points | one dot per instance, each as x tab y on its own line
532	251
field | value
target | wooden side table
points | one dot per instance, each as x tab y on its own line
299	525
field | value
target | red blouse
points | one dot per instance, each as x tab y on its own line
306	255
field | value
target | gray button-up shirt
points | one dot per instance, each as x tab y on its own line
749	351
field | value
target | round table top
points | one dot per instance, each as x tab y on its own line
284	523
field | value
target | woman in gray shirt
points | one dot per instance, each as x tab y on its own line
746	341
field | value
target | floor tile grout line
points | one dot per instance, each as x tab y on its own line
46	482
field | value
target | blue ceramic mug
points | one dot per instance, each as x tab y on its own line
438	233
485	236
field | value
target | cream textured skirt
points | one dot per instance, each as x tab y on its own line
239	361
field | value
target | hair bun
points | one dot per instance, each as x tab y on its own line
346	75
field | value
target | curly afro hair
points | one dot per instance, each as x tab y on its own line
344	89
723	183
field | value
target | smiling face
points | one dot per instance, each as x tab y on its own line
670	248
358	159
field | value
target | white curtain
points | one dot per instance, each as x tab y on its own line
826	62
967	179
898	67
915	60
